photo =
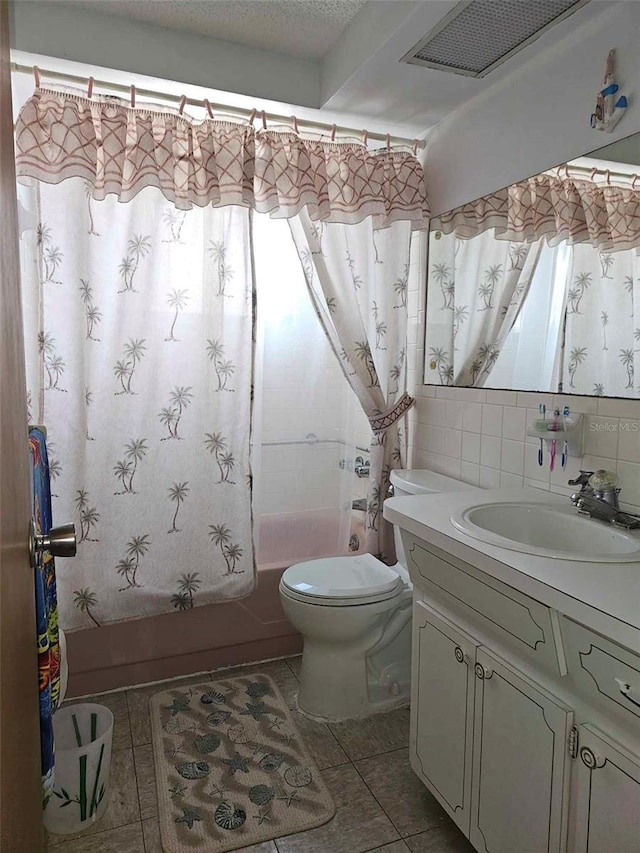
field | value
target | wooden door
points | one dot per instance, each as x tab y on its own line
607	796
442	710
519	788
20	783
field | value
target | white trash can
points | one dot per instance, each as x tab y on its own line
82	735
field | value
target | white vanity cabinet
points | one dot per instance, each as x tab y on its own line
525	723
488	741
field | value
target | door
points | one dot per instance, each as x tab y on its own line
607	796
519	788
20	782
442	710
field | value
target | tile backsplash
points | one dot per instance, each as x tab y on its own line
479	436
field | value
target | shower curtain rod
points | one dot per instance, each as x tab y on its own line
250	115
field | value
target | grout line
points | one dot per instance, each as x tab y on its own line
389	818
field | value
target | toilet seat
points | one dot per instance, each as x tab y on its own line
342	581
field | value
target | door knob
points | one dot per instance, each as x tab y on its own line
60	542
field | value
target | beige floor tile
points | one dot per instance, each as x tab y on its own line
373	735
322	745
407	802
138	704
358	825
443	839
125	839
122	808
146	781
117	704
153	845
295	664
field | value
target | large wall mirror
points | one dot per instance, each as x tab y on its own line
536	287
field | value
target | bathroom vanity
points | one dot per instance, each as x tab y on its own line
525	705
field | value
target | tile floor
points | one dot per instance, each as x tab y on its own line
357	759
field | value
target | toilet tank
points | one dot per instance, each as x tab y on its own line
421	481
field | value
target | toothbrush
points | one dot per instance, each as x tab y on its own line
542	409
552	458
565	446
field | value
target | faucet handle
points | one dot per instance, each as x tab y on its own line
582	479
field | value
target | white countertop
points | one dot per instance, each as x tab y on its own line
603	596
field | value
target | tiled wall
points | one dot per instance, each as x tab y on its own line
479	436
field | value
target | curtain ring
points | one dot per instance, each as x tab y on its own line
36	76
594	172
388	141
252	117
333	133
133	96
633	182
208	106
415	147
264	120
608	176
183	101
90	87
365	136
295	124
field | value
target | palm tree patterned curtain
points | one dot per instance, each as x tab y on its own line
602	330
358	280
142	376
477	288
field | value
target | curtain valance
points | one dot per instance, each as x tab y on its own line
119	149
557	208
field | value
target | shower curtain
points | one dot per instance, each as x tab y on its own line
143	378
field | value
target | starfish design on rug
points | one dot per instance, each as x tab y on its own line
289	738
175	750
275	723
237	762
189	816
257	747
261	817
181	703
217	791
177	791
289	798
257	710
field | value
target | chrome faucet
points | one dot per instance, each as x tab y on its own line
598	498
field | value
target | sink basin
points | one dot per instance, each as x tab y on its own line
549	531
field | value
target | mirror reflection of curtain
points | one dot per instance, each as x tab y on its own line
478	287
602	340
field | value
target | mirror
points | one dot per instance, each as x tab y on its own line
536	287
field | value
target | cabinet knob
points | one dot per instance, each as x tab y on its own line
482	672
459	654
590	759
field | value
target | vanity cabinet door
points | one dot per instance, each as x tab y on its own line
442	710
607	796
519	800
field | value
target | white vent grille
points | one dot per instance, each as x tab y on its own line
478	35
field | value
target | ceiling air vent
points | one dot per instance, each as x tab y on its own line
478	35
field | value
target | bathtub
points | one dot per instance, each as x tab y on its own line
286	538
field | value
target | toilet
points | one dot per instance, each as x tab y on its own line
355	616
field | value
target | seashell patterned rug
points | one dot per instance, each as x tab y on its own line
231	767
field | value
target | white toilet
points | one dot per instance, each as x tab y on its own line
355	616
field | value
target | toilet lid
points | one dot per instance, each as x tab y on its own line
360	576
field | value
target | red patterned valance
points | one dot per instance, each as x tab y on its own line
579	210
122	150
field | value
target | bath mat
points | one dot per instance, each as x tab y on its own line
231	767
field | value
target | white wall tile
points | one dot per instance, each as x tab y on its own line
490	451
454	414
489	478
601	436
470	473
472	417
629	481
511	481
514	423
502	398
512	456
491	420
471	447
453	443
629	440
618	408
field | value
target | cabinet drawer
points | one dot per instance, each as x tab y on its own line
602	670
503	613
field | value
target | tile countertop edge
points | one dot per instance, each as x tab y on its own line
602	596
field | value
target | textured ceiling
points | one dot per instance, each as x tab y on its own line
301	28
